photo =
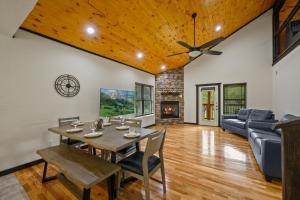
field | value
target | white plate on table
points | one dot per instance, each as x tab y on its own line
77	124
107	124
122	127
74	130
130	135
93	134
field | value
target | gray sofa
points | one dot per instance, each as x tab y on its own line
266	146
239	123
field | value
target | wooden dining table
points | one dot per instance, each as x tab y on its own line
111	140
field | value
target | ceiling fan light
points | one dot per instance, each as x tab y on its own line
194	53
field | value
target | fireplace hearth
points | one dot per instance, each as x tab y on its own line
169	109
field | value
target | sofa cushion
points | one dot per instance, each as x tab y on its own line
257	143
244	114
255	135
288	117
250	130
259	115
258	137
235	122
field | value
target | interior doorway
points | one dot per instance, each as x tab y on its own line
208	104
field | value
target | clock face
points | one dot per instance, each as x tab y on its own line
67	85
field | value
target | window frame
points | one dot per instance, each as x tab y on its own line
232	84
277	30
143	100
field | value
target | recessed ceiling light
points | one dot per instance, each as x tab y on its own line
139	55
218	28
90	30
163	67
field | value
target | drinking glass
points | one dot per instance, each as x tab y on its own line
132	130
106	120
123	121
93	126
75	123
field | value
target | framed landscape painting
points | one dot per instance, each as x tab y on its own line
116	102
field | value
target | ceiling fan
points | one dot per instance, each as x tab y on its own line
194	51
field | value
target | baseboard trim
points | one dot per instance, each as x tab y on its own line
149	126
20	167
190	123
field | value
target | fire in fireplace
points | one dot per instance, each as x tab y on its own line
169	109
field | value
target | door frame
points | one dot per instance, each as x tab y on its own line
219	100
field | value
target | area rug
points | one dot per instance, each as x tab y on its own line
11	189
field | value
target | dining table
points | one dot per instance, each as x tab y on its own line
112	140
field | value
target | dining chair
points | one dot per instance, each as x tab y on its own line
142	165
64	122
78	144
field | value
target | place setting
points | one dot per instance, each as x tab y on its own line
132	133
106	122
123	126
75	129
95	129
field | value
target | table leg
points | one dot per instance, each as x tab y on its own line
111	187
113	177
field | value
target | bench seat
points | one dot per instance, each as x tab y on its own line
80	168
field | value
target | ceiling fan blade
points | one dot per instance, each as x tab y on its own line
193	58
211	52
175	54
184	44
211	43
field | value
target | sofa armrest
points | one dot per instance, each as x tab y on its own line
271	157
229	116
266	125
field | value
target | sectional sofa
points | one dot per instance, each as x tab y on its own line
265	142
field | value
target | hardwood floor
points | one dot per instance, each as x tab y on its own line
201	163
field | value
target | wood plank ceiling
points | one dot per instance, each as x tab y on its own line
126	27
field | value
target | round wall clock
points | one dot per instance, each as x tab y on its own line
67	85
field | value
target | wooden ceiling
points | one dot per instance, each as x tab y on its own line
286	9
125	27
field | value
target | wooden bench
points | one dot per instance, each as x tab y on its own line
79	170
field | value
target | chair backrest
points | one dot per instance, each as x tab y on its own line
155	143
67	121
134	123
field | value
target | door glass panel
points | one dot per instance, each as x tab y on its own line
208	99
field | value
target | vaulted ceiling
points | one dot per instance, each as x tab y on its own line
127	27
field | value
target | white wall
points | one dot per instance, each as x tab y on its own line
286	85
13	13
247	57
29	105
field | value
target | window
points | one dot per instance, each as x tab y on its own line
234	97
143	102
286	28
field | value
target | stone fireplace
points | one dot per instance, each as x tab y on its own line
169	100
169	109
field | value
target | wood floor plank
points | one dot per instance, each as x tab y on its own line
201	163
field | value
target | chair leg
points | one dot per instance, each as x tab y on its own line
146	185
163	177
86	194
94	151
